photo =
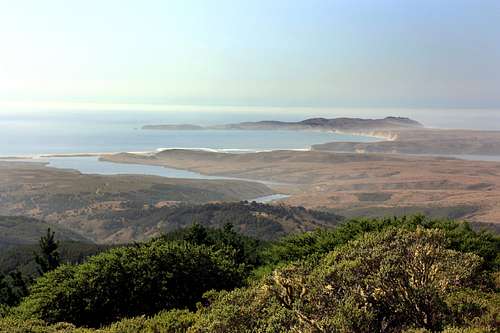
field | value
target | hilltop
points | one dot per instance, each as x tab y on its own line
261	221
334	124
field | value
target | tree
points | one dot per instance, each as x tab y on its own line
130	281
48	259
12	288
197	234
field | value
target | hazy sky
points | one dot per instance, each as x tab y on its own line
373	53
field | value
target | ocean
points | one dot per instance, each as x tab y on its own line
69	133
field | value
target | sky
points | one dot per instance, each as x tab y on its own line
301	53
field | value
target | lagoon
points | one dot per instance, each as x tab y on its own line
92	165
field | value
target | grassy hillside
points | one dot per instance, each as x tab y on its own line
21	257
82	201
249	218
139	222
16	230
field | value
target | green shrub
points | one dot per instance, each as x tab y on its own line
247	249
14	325
459	236
247	310
474	308
130	281
4	310
389	280
173	321
385	281
12	288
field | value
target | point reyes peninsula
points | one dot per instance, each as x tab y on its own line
336	124
400	135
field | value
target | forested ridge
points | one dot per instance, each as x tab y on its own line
406	274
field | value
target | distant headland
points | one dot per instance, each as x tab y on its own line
325	124
400	135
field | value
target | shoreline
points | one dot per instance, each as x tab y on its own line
37	157
149	153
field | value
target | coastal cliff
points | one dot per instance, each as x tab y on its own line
423	141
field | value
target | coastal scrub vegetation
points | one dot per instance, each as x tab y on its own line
407	274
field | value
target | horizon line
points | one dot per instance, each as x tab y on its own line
158	107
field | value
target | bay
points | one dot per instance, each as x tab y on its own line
70	133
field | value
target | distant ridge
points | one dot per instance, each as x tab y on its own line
15	230
335	124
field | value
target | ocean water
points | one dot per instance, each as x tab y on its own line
67	133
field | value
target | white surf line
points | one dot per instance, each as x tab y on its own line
146	152
271	198
232	150
385	135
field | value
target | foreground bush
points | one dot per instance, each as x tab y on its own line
173	321
459	236
130	281
383	282
13	325
370	275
